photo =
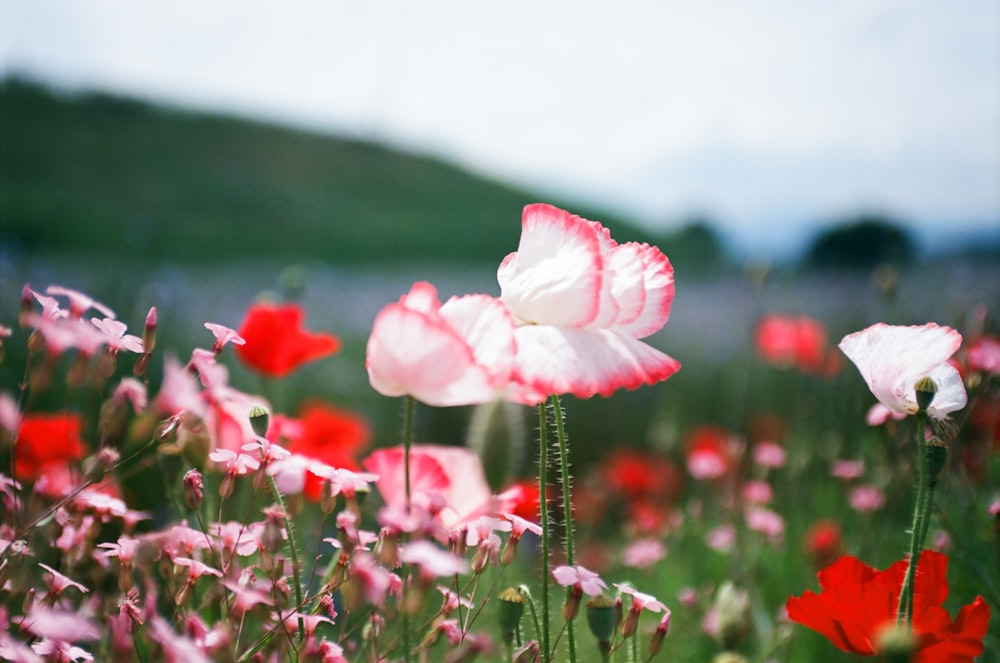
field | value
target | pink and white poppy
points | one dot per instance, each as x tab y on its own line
892	359
458	353
582	302
451	477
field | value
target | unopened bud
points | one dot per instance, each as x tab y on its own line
529	653
574	594
936	454
896	644
149	332
194	488
259	420
656	642
925	389
510	610
601	618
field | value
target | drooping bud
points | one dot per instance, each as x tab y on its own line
149	331
656	642
936	454
194	489
510	610
259	420
925	389
529	653
496	435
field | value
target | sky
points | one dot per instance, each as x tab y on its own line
767	116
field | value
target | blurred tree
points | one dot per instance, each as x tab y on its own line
696	247
863	242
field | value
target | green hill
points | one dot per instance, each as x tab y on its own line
95	173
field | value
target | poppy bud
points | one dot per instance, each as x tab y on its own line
510	610
601	619
259	420
925	389
897	644
936	453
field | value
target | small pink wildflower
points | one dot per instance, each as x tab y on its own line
757	492
432	561
115	336
581	577
79	303
58	625
721	538
640	602
848	469
58	583
644	553
765	521
223	336
866	499
769	454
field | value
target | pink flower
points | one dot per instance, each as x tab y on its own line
644	553
458	353
79	303
721	538
866	499
765	521
847	469
984	355
582	302
433	561
115	336
769	454
223	336
579	577
892	359
453	475
757	492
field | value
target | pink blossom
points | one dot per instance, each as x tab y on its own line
79	303
195	568
133	392
234	464
375	581
878	414
765	521
115	336
641	601
984	355
893	359
757	492
432	560
866	499
580	577
644	553
459	353
582	302
521	525
58	583
848	469
721	538
179	391
769	454
10	416
223	336
124	549
452	474
59	625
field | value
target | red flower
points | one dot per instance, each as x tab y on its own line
858	602
276	343
45	440
799	342
709	452
331	436
824	542
637	474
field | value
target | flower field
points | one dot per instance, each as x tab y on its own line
578	461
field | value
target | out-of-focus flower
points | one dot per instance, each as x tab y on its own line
824	542
708	453
449	475
984	355
765	521
644	553
721	538
757	492
866	499
45	440
432	560
637	474
795	341
891	359
277	344
458	353
769	454
847	469
857	602
582	302
327	434
79	303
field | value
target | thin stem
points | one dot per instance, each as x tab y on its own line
408	411
565	480
904	610
293	552
543	507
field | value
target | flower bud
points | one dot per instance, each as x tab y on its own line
936	454
733	606
896	644
529	653
925	389
656	643
149	332
496	436
601	619
510	610
194	489
259	420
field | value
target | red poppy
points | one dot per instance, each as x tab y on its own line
857	602
46	440
709	452
331	436
824	542
522	500
276	343
638	474
796	341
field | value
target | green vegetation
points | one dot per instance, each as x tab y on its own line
99	173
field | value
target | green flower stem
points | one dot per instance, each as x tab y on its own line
293	551
408	412
565	481
921	516
543	507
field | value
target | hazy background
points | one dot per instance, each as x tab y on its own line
770	118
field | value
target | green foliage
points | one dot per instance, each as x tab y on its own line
103	174
862	243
